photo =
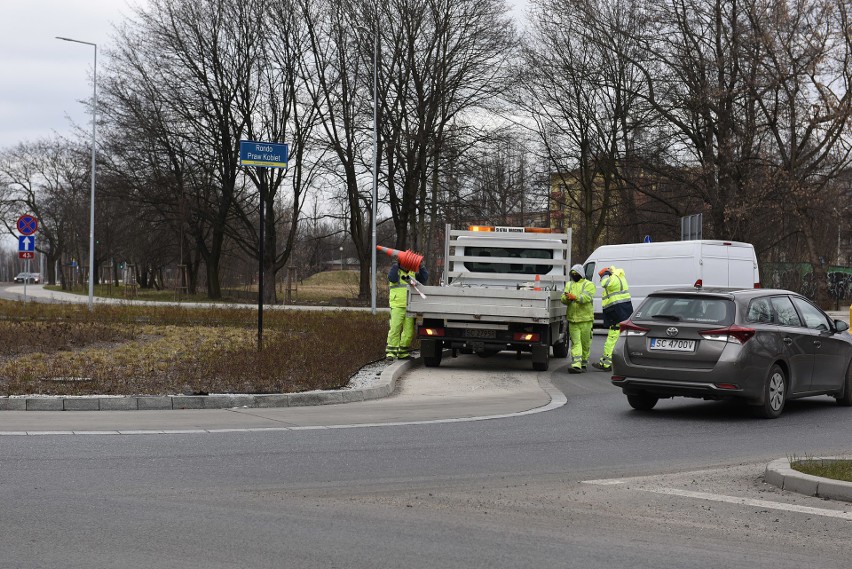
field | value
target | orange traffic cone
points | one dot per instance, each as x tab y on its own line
537	282
408	260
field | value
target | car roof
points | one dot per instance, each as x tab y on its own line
726	292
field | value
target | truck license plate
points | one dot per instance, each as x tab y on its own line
672	345
477	333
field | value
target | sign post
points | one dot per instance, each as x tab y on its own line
27	226
262	155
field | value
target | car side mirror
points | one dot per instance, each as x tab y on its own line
840	325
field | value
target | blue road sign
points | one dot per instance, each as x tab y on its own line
27	224
26	243
264	154
647	239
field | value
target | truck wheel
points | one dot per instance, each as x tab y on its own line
560	349
432	361
431	352
540	358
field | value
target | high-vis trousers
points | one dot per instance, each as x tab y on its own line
609	345
580	334
400	334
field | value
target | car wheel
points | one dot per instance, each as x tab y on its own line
845	398
774	394
642	401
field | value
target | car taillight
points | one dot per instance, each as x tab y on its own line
756	285
525	337
734	333
698	284
430	332
631	329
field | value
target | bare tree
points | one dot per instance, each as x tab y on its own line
48	179
443	63
804	102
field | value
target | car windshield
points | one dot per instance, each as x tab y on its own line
701	310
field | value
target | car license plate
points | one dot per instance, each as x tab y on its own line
672	345
478	333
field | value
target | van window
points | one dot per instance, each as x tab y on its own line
522	267
590	270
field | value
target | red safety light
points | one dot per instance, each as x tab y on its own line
733	333
631	329
698	283
430	332
480	228
525	337
537	230
756	285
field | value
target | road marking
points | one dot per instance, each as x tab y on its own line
750	502
726	499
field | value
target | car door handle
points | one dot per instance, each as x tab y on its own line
817	343
788	341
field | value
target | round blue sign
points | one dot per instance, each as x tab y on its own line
27	224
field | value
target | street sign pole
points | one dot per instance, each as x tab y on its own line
261	250
263	155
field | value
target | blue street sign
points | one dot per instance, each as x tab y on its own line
264	154
27	224
26	243
647	239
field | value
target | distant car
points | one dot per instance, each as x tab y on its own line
28	278
763	346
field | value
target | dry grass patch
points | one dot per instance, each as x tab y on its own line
61	350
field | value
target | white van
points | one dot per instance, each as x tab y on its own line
653	266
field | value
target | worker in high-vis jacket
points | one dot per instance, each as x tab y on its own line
617	306
401	332
578	296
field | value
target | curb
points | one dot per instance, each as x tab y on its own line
384	387
780	474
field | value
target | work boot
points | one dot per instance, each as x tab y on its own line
601	367
389	359
573	369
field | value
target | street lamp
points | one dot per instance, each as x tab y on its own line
92	202
375	156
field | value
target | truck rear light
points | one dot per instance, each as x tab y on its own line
430	332
733	333
631	329
617	378
525	337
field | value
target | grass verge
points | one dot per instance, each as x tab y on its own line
836	469
56	349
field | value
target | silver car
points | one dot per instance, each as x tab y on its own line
760	345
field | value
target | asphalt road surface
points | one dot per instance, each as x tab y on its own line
589	483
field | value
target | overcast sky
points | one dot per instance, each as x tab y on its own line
43	80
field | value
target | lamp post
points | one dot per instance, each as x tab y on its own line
375	157
92	196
